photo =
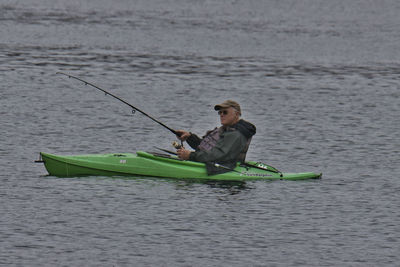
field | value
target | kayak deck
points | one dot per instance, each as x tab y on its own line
158	165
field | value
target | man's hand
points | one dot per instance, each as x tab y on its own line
183	135
183	153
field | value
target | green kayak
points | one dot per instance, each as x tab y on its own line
158	165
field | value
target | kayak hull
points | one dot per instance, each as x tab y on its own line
157	165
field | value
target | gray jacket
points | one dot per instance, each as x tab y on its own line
229	147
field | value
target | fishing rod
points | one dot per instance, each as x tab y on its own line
134	109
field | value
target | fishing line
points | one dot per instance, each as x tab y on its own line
134	109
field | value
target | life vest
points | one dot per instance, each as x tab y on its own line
210	139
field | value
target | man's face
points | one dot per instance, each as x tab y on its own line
228	116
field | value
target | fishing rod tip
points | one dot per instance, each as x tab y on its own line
59	72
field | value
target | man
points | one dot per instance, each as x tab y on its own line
225	145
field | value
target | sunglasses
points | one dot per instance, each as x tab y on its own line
225	112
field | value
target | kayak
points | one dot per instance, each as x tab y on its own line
159	165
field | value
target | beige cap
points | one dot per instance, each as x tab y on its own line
227	104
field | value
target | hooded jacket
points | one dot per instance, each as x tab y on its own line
228	146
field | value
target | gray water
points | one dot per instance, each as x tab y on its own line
319	79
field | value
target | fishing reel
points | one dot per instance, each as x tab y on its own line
177	145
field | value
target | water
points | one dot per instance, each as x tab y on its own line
319	79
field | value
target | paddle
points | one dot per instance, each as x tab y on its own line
215	164
134	109
168	151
